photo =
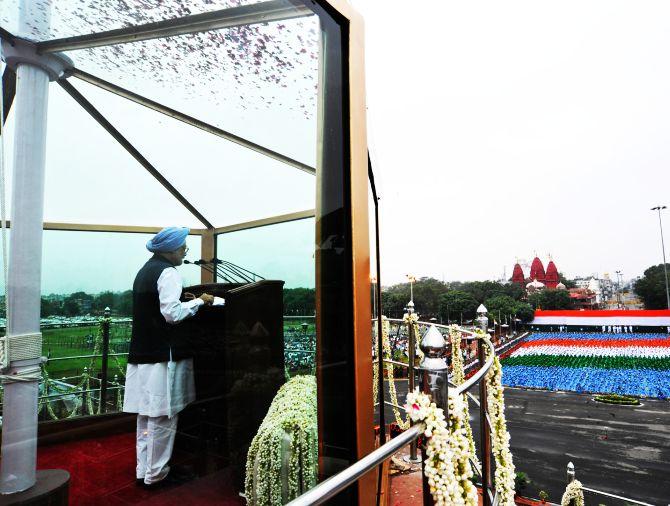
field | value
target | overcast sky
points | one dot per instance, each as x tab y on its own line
498	129
505	128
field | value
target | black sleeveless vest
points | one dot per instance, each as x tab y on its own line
152	337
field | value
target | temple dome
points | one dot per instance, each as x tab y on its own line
551	278
534	285
517	274
537	270
560	286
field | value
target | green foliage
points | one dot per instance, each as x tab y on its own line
543	496
299	301
71	307
434	298
427	292
651	287
626	400
521	481
551	299
506	305
455	303
121	304
483	290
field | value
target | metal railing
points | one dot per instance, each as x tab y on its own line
435	381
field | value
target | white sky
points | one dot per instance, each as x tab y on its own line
505	128
498	129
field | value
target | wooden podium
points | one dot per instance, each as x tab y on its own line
238	368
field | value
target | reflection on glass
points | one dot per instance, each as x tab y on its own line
256	81
51	20
254	357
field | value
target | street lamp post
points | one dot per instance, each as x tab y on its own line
665	268
411	280
619	277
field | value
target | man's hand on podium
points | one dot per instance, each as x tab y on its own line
207	299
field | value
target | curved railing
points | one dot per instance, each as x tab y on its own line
337	483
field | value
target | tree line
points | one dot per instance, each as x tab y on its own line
650	287
453	301
458	300
82	303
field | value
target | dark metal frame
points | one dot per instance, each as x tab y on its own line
264	12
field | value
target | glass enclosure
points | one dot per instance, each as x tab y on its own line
241	133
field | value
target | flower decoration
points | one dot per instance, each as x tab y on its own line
386	345
458	378
447	449
287	439
573	492
505	471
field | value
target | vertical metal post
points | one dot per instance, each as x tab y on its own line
665	267
571	472
411	352
484	431
485	435
434	381
19	431
571	478
105	359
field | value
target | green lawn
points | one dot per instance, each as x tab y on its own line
77	341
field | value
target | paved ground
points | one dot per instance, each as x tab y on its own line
618	449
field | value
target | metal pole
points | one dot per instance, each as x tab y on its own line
665	268
434	381
484	431
413	458
485	444
105	356
571	478
19	431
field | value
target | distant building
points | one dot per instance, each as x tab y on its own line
538	279
584	298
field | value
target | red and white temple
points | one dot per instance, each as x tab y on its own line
537	278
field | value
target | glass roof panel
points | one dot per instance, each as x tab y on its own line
258	82
281	251
227	183
69	18
90	178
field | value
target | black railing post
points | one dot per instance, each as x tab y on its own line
411	355
105	359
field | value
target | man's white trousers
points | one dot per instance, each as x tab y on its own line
155	440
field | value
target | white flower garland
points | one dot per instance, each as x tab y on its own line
573	492
447	450
505	471
288	432
386	345
458	372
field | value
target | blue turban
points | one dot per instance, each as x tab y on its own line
168	239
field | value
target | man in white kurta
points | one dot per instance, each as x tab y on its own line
159	378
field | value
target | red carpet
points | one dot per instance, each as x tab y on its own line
102	473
